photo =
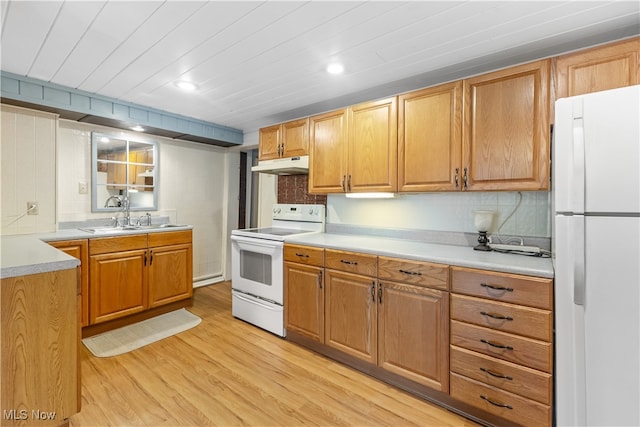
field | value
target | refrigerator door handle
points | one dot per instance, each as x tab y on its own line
579	279
577	195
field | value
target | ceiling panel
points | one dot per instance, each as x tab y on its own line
155	29
72	22
24	31
257	63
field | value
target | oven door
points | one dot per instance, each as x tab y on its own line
256	267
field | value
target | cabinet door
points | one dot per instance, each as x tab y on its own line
328	152
430	139
304	300
170	274
295	138
413	333
118	285
373	146
506	129
350	314
79	249
269	144
600	68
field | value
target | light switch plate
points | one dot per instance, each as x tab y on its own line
83	187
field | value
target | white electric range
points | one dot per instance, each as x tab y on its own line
257	270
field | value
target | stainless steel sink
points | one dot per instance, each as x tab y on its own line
107	229
112	229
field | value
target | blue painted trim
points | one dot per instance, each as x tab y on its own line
29	90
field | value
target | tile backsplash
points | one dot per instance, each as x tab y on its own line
293	189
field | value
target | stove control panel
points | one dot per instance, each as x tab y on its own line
299	212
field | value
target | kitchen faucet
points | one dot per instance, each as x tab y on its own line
123	201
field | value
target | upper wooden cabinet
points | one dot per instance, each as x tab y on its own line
284	140
506	129
430	139
600	68
373	142
354	149
328	152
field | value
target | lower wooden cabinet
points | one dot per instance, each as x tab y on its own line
413	321
496	401
118	277
401	328
502	344
351	314
304	291
40	370
135	273
170	267
479	342
79	249
413	333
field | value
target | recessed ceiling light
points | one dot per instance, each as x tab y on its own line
186	85
138	128
335	68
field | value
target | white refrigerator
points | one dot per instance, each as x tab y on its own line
596	239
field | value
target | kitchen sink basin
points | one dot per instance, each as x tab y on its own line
111	229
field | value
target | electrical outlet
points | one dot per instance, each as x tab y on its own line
32	208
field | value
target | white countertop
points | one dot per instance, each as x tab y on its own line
463	256
26	254
21	255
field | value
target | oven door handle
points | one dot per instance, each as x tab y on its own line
258	242
254	301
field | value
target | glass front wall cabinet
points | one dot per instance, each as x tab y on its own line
124	170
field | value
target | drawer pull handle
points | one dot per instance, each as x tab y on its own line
499	404
345	261
496	287
506	347
496	316
497	375
411	273
302	255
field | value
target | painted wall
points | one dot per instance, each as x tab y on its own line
44	159
197	185
27	170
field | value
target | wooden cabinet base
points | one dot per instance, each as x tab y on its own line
39	375
441	399
99	328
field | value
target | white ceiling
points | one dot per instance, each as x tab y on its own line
259	63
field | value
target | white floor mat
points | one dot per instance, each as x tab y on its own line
131	337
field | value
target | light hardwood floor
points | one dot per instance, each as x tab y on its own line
226	372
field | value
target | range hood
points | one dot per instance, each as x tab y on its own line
289	166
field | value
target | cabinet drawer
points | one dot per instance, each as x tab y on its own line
499	402
170	238
414	272
352	262
517	319
514	288
524	351
508	376
304	255
104	245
